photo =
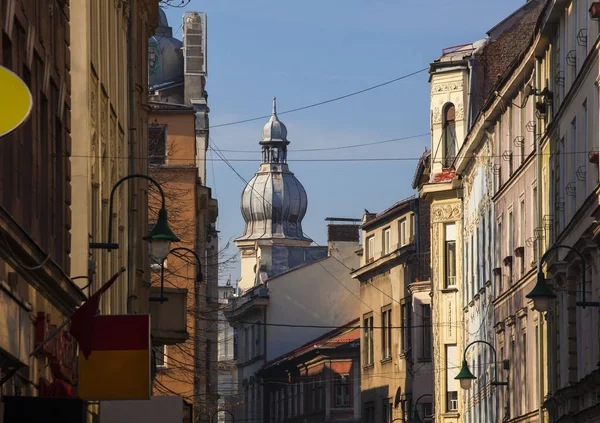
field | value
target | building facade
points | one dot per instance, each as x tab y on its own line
284	277
179	131
58	170
35	204
394	292
437	183
318	382
567	53
227	365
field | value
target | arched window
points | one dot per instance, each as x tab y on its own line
449	136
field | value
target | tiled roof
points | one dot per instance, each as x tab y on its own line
420	170
158	106
507	42
343	335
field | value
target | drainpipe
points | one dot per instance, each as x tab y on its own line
133	184
538	152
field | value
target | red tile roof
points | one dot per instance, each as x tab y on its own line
343	335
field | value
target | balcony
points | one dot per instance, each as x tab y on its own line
169	319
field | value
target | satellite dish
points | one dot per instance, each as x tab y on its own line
397	398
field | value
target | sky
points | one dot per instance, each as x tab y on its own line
310	51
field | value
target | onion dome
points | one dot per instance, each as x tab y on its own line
274	202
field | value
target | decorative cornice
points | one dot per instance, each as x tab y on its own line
446	87
445	212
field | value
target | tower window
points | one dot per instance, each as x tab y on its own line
449	135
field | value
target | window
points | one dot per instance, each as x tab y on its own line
511	226
342	390
522	222
252	342
449	135
371	248
281	404
246	344
157	144
405	327
370	413
403	232
386	332
524	373
160	354
575	144
386	410
368	340
427	411
258	338
387	234
320	395
426	331
289	401
451	384
294	400
450	255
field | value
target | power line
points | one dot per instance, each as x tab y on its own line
362	159
341	147
320	103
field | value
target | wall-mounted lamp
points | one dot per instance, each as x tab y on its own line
465	377
160	236
198	278
542	293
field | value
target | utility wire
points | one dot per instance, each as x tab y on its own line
320	103
362	159
341	147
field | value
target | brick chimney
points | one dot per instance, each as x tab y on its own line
343	236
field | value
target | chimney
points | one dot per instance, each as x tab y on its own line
343	236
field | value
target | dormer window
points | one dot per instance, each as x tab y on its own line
449	135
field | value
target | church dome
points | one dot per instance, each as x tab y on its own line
165	56
274	202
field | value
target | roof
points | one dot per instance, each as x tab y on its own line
400	205
420	170
346	334
508	41
159	106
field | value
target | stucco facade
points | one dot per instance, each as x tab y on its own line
568	51
304	297
106	109
395	313
437	184
172	148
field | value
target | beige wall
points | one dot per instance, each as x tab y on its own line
99	124
385	275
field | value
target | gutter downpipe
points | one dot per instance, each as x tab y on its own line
133	184
538	150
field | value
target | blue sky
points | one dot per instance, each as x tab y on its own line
309	51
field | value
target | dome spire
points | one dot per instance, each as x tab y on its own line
274	131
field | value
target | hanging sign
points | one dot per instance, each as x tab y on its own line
15	101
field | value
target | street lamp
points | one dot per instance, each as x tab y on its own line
466	377
541	294
224	411
415	417
160	236
162	272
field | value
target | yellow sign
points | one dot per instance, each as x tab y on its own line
15	101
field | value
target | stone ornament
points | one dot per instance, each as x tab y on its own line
445	212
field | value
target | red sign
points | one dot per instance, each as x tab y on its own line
61	350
